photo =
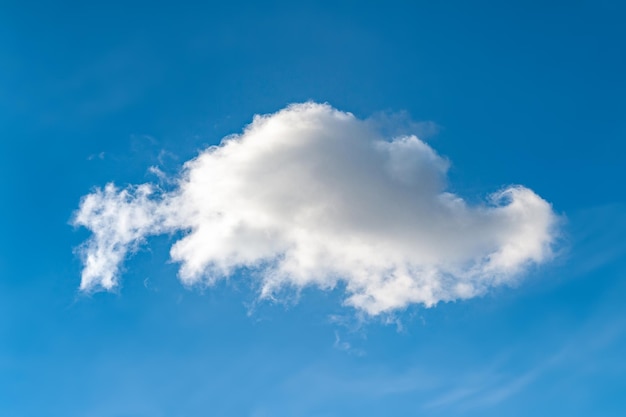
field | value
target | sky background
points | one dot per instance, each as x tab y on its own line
518	93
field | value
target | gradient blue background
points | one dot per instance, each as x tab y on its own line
523	92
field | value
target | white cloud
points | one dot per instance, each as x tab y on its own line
314	196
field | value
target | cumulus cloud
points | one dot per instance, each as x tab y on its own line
313	196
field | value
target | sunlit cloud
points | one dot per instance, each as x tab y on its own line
313	196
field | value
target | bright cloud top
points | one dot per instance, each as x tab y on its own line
312	196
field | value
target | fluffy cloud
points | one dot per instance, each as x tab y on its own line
312	196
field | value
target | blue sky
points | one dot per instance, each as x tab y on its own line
519	93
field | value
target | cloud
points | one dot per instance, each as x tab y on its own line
313	196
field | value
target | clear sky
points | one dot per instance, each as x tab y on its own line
500	94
